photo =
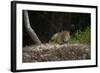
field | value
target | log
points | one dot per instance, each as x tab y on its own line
56	52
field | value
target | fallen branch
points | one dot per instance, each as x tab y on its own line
30	31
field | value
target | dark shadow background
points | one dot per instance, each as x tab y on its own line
46	23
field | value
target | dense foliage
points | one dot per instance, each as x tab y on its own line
82	36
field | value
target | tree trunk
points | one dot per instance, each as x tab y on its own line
29	29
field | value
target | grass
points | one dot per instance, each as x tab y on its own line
81	36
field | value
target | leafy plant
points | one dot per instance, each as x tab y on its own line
81	36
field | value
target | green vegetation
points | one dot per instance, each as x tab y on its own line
82	36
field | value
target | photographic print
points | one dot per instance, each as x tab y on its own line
56	36
53	36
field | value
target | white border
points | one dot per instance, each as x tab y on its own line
21	65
